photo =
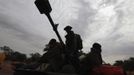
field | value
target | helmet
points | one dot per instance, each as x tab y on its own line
68	28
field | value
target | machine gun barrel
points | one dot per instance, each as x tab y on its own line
44	7
55	28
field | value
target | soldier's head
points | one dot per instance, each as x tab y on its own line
96	47
52	41
68	28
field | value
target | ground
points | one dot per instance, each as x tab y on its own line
6	69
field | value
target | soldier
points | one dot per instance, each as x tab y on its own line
53	55
92	59
73	44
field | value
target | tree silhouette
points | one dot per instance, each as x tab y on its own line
13	55
17	56
119	63
34	57
6	49
128	65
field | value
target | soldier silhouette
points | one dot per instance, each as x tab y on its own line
92	59
73	44
53	55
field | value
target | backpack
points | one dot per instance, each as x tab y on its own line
78	42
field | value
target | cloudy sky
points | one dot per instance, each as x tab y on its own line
109	22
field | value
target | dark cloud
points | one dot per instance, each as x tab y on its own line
85	17
110	1
11	23
15	27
